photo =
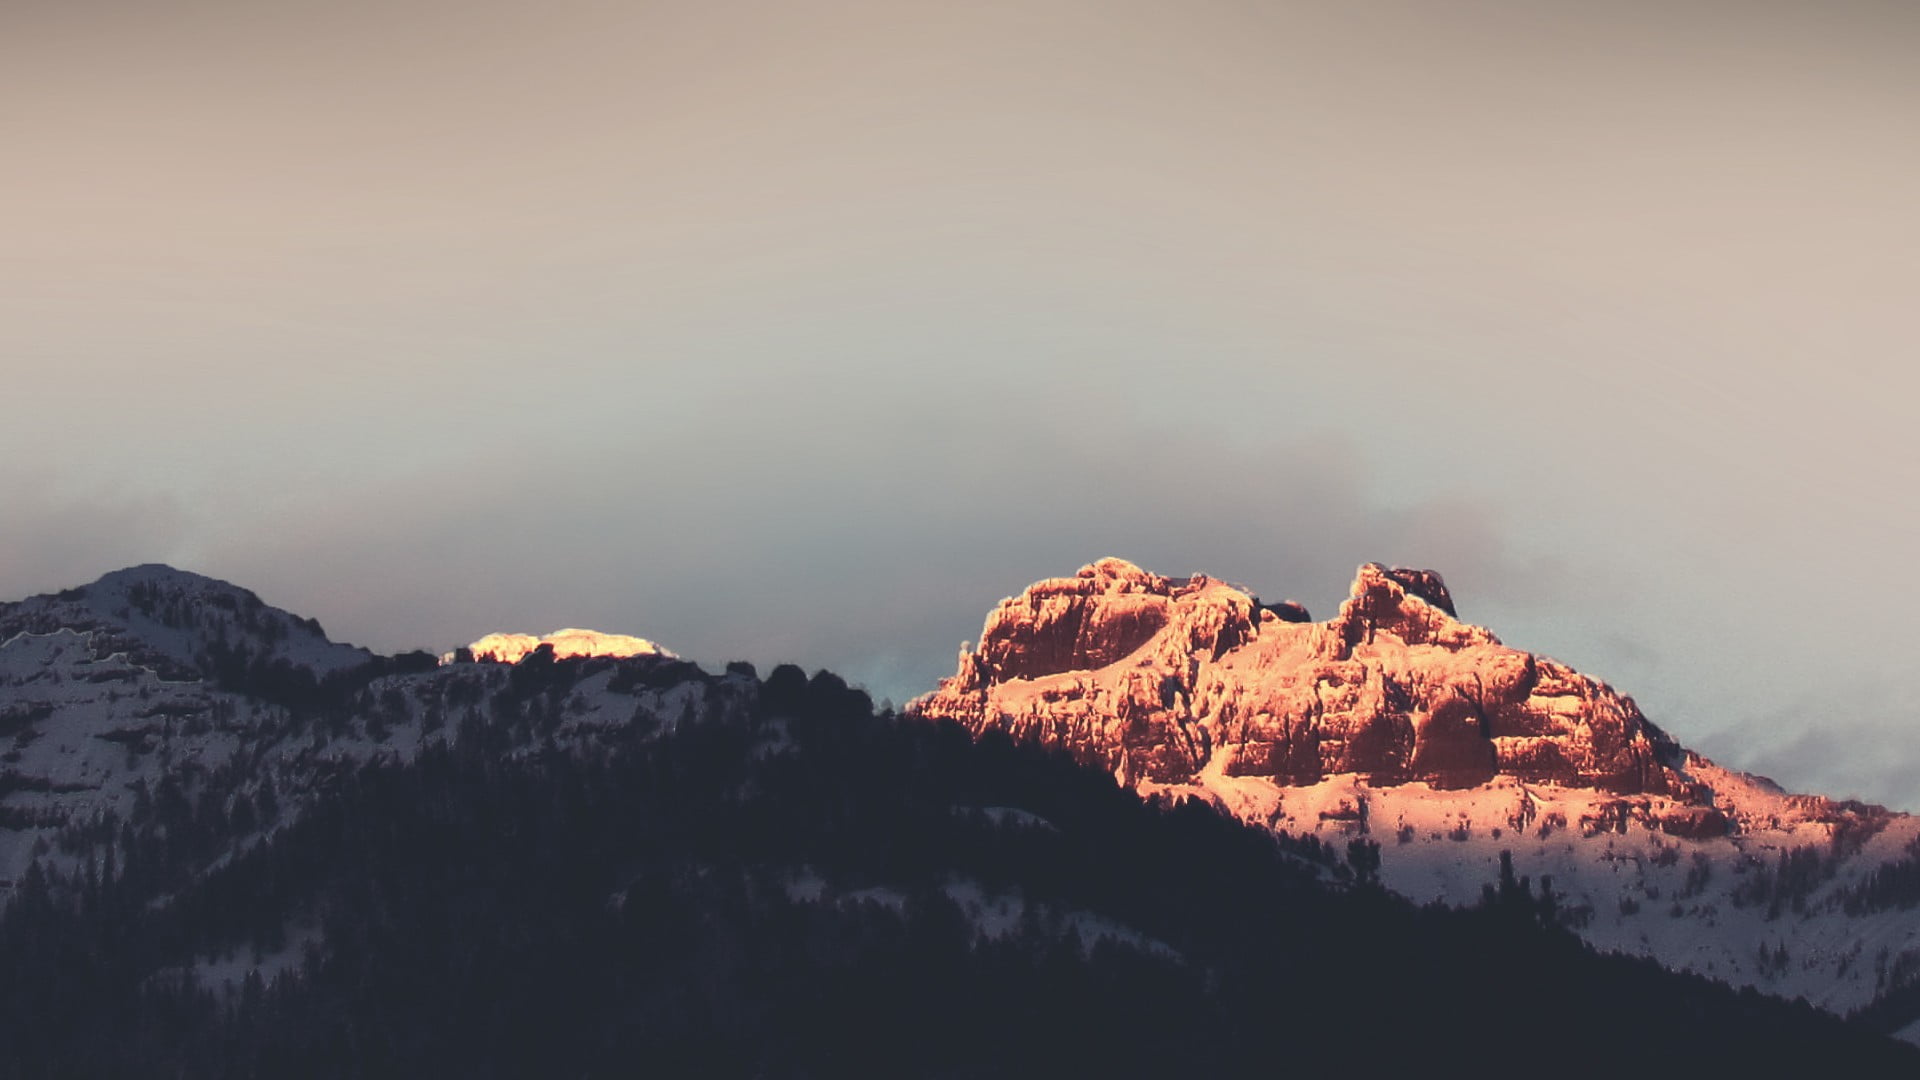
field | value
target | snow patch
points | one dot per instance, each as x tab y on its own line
571	642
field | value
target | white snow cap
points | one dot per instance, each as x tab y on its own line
511	648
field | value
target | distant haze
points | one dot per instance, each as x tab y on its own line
806	331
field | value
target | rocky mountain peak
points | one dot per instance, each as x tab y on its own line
1412	606
1107	611
1158	679
1425	584
181	624
1120	573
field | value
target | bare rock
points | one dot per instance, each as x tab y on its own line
1696	822
1157	678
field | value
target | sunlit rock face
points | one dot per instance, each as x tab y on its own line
512	648
1397	724
1156	678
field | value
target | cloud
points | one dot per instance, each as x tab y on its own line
1853	739
874	549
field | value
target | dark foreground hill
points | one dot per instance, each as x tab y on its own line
801	887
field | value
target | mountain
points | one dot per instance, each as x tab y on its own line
152	686
1397	722
181	625
238	849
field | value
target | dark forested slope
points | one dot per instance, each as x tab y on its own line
809	889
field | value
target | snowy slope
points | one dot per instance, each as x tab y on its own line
1700	905
111	706
512	648
171	620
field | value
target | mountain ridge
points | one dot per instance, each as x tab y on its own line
1396	721
1393	688
790	886
169	619
157	696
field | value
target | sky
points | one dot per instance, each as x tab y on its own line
806	331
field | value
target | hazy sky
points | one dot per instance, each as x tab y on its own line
806	331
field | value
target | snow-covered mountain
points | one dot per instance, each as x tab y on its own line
1397	723
157	706
239	851
180	624
155	688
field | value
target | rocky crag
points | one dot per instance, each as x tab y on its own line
1151	677
1394	722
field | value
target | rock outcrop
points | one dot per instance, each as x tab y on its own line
1157	678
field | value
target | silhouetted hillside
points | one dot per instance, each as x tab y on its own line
805	888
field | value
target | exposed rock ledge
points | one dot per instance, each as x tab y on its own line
1150	677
